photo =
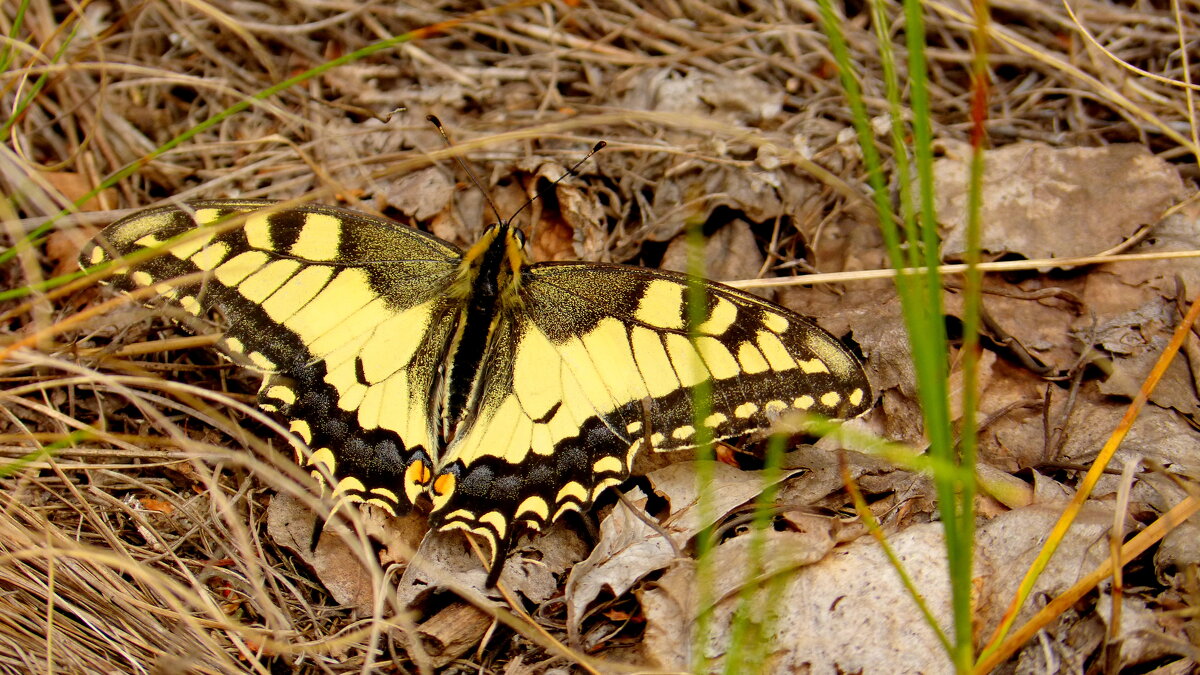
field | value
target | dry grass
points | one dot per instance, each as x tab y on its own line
135	542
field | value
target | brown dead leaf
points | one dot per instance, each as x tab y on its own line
1029	322
442	557
879	328
629	549
1133	313
734	99
582	215
536	570
848	612
1179	550
1044	202
1011	408
1178	232
290	524
752	558
1007	546
844	612
463	223
1146	635
73	186
63	246
1176	389
157	505
1158	434
730	253
821	486
420	195
692	195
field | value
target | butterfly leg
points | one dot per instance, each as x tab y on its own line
318	528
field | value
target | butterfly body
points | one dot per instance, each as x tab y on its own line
507	392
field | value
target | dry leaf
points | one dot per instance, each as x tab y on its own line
341	571
629	549
1044	202
848	612
157	505
73	186
1157	434
731	253
420	195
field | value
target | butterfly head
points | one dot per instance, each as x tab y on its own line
493	267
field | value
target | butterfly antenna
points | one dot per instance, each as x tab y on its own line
570	172
463	165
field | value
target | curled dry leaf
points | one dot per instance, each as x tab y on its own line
629	549
290	524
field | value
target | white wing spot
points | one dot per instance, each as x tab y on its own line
745	410
717	358
240	266
149	241
776	353
208	216
282	393
608	465
322	459
260	360
211	256
684	432
301	429
190	305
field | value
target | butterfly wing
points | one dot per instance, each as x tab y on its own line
598	360
345	314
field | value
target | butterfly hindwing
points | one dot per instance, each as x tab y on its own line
602	362
343	313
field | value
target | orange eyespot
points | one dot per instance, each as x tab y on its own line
444	485
418	473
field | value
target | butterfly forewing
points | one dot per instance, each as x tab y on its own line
345	314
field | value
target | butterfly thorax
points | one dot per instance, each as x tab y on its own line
487	288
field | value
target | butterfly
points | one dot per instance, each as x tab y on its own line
506	392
